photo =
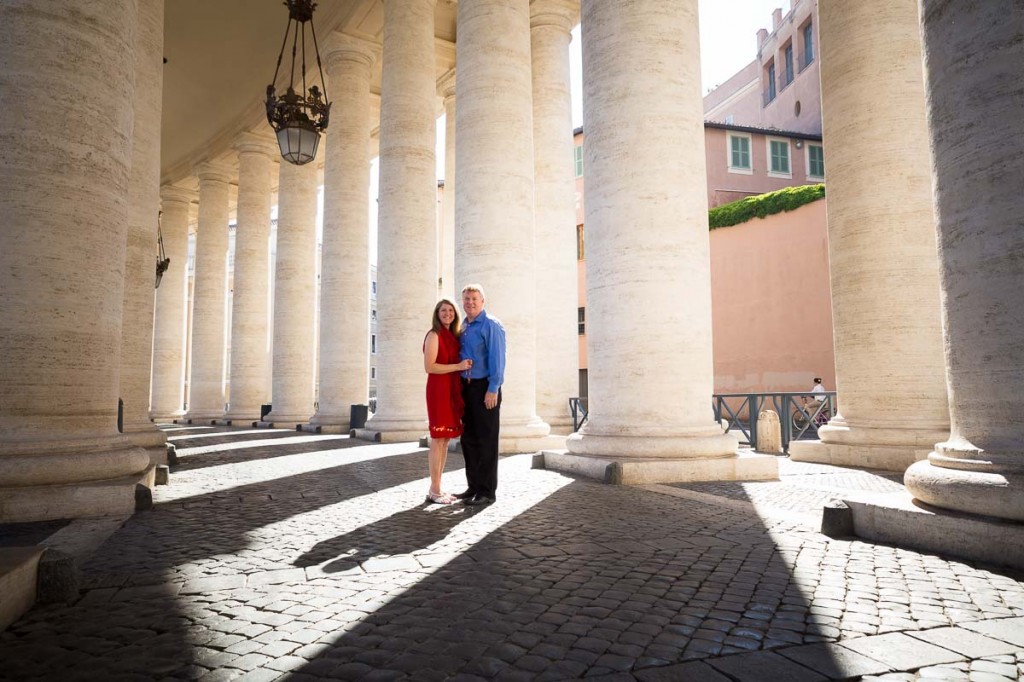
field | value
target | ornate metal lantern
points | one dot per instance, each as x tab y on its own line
162	261
298	116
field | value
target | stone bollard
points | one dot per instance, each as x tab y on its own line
769	433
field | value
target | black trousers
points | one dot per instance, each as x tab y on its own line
480	438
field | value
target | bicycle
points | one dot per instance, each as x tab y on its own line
814	412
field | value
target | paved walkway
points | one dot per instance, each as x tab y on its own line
278	555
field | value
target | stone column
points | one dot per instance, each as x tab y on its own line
974	61
884	269
143	219
64	177
345	274
250	311
407	219
168	385
294	296
494	195
209	297
448	287
555	186
648	269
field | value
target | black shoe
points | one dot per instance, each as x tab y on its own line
478	501
465	494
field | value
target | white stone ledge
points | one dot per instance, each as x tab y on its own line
896	519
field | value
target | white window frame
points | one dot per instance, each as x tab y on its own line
577	159
808	158
728	152
768	158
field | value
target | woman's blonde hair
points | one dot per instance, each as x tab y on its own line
437	325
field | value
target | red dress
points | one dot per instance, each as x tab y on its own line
444	391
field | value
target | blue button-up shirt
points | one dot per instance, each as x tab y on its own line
483	342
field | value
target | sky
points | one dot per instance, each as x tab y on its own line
728	30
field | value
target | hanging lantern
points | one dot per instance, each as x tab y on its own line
162	261
299	115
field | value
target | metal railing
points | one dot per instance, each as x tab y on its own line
800	414
578	409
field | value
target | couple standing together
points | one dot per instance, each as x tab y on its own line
465	367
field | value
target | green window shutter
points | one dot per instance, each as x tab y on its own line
816	160
578	160
780	157
740	152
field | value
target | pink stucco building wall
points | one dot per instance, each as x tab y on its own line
771	305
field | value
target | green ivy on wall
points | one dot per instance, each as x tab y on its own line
764	205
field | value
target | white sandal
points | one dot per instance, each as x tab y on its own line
440	498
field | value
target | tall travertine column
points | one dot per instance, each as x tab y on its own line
64	177
974	61
345	279
555	186
407	219
447	286
143	218
170	323
494	195
209	296
884	269
294	296
250	304
648	269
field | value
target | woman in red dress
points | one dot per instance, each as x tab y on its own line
444	391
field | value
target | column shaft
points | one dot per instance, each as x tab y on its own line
407	219
143	212
884	269
974	60
250	304
494	209
345	275
446	237
648	269
64	177
209	293
294	296
555	186
170	323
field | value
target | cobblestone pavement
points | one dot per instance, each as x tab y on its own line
278	555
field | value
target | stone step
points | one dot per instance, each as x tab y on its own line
19	570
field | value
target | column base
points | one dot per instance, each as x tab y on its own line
324	428
742	466
113	497
285	420
291	426
896	519
165	416
377	436
199	417
339	423
150	439
995	495
700	443
224	421
513	445
243	415
560	425
880	446
883	457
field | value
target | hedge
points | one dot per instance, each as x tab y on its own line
763	205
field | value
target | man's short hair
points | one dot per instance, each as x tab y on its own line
475	287
817	380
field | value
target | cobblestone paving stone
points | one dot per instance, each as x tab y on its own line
277	555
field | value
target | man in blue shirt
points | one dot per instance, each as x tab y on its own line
483	342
